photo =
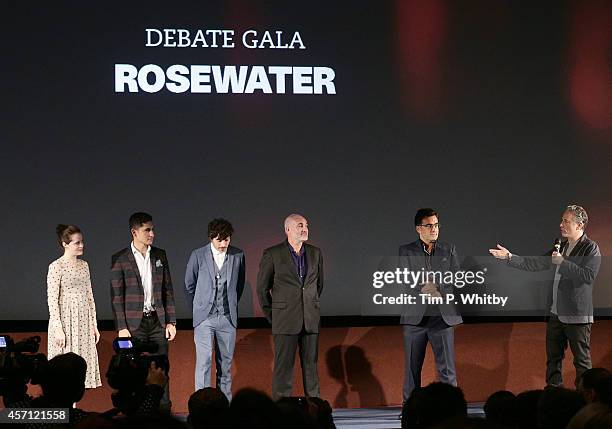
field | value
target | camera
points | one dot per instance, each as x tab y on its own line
20	363
129	369
129	366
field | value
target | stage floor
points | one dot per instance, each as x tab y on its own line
362	368
382	418
367	418
374	418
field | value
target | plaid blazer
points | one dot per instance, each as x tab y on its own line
127	294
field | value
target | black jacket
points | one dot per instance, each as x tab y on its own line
578	272
286	303
444	259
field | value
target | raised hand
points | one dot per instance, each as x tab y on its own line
156	375
500	253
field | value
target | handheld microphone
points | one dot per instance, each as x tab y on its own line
557	245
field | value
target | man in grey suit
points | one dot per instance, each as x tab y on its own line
214	281
429	322
289	284
575	261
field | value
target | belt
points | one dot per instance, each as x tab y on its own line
149	313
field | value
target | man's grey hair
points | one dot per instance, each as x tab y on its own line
292	216
579	213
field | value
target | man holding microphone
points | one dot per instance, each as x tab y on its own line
575	260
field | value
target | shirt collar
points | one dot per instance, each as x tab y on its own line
135	250
565	244
293	252
424	247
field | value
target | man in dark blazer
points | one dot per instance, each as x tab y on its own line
428	322
214	281
289	284
141	291
574	265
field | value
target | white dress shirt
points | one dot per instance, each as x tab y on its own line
218	257
146	276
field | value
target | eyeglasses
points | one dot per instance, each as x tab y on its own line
431	225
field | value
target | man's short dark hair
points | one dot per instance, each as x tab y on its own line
500	408
592	377
63	381
526	406
253	409
433	404
603	390
422	214
138	219
557	406
220	229
207	408
323	412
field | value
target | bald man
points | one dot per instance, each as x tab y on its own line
289	284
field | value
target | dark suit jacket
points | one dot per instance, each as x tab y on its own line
578	272
200	282
285	303
127	293
444	259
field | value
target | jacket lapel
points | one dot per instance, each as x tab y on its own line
132	260
209	260
286	255
578	247
153	258
309	258
230	265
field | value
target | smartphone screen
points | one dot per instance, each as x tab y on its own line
2	342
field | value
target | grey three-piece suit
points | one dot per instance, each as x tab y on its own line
214	295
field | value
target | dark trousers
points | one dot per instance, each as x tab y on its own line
434	330
285	347
558	335
151	330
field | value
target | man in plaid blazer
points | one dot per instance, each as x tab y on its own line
141	291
